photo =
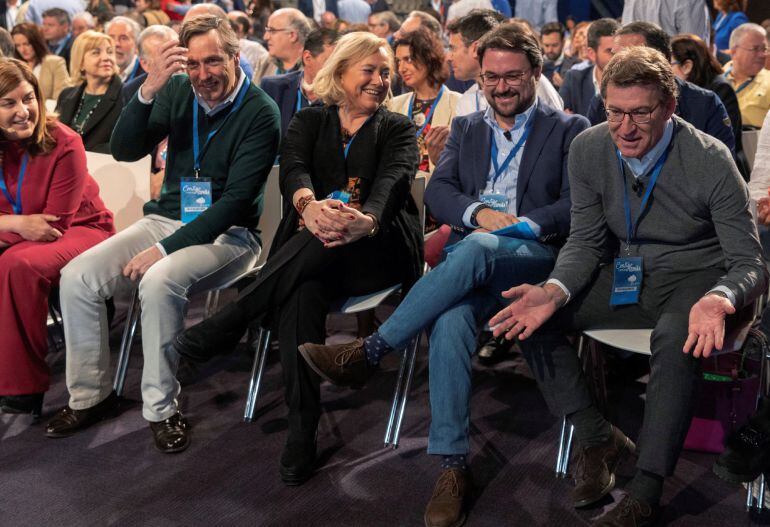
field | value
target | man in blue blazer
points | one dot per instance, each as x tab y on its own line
700	107
306	6
502	167
581	84
286	90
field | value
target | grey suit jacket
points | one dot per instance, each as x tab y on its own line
697	218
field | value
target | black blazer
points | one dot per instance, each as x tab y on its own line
384	155
283	90
96	134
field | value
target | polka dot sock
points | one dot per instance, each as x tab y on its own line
375	348
457	461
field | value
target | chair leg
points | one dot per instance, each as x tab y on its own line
567	432
401	393
57	323
132	318
262	345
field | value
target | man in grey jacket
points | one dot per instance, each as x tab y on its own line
669	202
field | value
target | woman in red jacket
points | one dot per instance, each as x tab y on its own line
50	212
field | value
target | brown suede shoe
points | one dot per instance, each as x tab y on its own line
595	468
446	507
629	512
341	364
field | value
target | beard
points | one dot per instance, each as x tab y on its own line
508	110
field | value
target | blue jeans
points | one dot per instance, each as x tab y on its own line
455	299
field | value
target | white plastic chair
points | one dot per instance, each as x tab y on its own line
353	305
268	225
634	341
124	187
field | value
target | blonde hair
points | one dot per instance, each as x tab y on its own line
351	48
85	42
12	73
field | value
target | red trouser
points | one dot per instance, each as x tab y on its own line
28	270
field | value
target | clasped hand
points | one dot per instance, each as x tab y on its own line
334	223
37	227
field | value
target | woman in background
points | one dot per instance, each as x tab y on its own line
51	70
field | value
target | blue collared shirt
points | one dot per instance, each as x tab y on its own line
506	183
641	167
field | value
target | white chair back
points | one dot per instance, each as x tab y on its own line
750	141
124	187
271	213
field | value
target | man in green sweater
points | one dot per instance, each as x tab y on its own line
223	134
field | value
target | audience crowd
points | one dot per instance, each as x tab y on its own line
606	174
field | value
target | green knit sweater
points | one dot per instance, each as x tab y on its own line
238	159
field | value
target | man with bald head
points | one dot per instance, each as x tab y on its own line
285	34
746	73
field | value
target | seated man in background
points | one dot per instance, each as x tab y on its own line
500	167
293	91
581	84
285	35
124	32
700	107
223	137
631	180
747	74
557	64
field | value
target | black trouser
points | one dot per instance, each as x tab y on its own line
664	305
298	294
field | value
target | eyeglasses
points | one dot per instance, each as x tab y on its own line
511	79
269	29
637	116
756	49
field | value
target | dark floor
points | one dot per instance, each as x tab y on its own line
111	474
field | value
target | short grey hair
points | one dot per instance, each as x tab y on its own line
298	22
87	17
428	21
132	24
744	29
154	31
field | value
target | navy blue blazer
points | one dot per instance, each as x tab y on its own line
283	90
542	189
549	68
306	6
701	108
577	90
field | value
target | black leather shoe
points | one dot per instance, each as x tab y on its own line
297	462
23	404
172	434
217	335
68	421
747	451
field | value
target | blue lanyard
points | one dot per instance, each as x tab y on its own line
430	110
64	43
347	146
499	169
133	73
743	86
197	152
299	100
15	204
632	227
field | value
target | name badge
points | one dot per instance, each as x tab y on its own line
626	281
340	195
498	202
196	197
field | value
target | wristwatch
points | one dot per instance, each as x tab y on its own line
476	213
